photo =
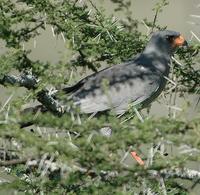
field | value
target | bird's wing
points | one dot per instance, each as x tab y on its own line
126	83
79	84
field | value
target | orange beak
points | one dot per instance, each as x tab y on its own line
179	41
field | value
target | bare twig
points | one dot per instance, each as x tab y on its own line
138	115
198	39
7	101
162	184
154	20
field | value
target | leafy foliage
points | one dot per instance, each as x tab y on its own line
67	154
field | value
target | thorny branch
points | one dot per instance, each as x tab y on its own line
27	81
30	82
182	173
32	29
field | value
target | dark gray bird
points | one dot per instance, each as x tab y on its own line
136	82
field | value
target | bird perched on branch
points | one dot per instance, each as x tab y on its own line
136	82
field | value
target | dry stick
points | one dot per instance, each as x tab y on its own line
197	38
162	184
47	166
175	96
138	115
125	155
149	162
176	61
41	163
171	93
7	101
153	150
154	21
147	27
6	116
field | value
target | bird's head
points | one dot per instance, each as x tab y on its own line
166	41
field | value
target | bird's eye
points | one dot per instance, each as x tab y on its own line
170	38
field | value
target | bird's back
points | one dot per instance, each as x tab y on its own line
118	86
138	81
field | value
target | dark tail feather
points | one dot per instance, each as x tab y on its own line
73	88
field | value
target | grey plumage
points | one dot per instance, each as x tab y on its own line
136	82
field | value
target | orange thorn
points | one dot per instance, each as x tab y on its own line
137	158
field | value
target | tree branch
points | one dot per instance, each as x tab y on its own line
14	162
27	81
182	173
27	31
30	82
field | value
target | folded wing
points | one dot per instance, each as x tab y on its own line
115	88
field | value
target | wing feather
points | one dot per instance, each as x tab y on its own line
128	83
